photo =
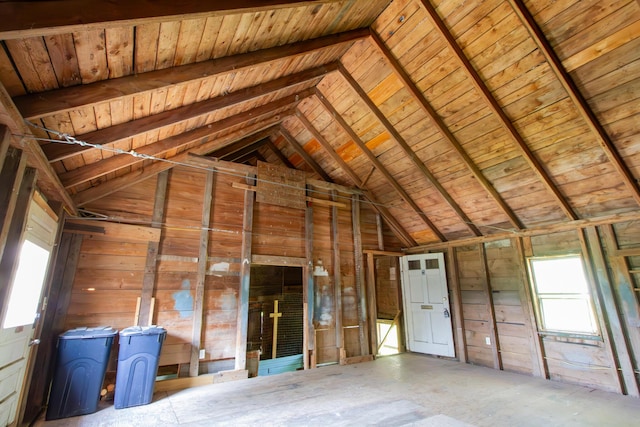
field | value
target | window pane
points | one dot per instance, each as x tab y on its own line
414	264
569	315
27	285
559	275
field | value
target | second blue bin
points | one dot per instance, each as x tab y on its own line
138	359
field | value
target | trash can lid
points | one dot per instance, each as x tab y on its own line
86	333
142	330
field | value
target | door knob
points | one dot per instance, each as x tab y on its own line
34	342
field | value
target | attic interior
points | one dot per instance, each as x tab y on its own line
451	178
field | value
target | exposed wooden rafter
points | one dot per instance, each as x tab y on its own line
124	131
48	181
285	161
395	226
177	142
411	87
506	123
46	18
62	100
576	96
426	173
239	148
305	156
379	166
208	144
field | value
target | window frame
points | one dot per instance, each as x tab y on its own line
537	298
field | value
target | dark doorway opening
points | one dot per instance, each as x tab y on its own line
275	328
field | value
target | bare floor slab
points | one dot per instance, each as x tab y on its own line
406	389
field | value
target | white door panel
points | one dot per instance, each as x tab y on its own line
426	304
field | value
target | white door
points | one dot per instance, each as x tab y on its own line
23	307
426	305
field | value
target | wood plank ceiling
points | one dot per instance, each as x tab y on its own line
458	119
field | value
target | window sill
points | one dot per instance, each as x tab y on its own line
569	337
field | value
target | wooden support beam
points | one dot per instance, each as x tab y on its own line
381	168
245	277
536	348
149	280
11	175
379	231
285	161
278	260
124	131
33	106
456	305
250	149
43	18
13	240
305	156
413	157
534	231
181	141
615	328
418	95
624	291
486	287
599	304
337	276
5	142
372	308
203	254
207	144
48	181
577	98
359	277
506	123
308	290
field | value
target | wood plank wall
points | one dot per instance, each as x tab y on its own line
115	266
498	318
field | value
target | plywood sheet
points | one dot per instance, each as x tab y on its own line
281	186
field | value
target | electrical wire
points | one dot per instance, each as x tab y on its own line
65	138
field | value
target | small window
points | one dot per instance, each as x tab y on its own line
432	264
27	285
414	265
562	295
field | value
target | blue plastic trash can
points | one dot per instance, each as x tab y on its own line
82	358
138	359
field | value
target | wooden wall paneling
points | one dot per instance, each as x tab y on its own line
13	239
486	285
285	161
359	278
506	123
337	277
418	95
203	254
148	283
408	151
11	175
245	275
615	329
577	98
538	363
379	166
308	289
456	305
625	292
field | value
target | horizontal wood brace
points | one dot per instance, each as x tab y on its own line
278	260
321	202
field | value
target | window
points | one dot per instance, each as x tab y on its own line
27	285
562	295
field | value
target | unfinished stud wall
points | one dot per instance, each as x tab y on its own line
115	266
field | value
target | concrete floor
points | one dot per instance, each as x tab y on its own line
406	389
